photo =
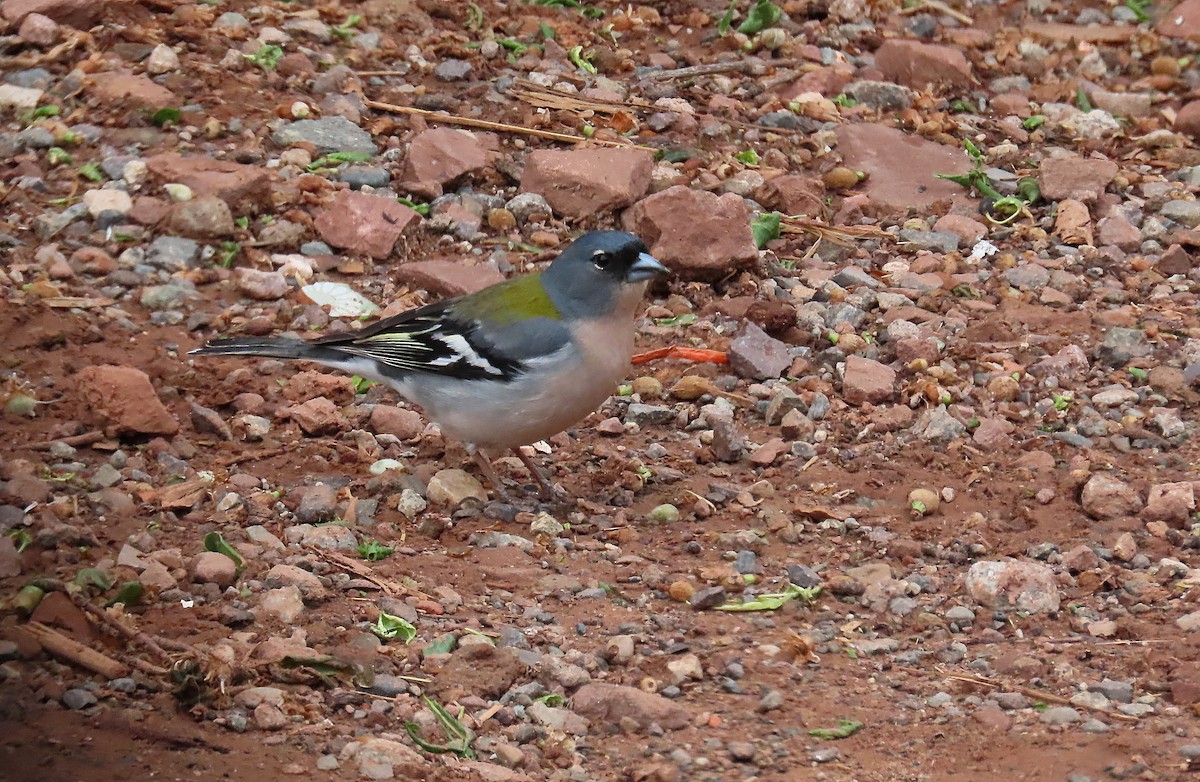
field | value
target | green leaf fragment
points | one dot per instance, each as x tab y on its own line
214	541
459	736
266	57
726	22
748	156
774	600
21	539
421	209
93	577
764	14
686	319
91	172
844	729
673	155
130	594
582	61
765	227
443	644
166	116
374	551
27	599
388	626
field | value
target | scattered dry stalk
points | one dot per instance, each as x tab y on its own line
501	127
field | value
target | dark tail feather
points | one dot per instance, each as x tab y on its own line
268	347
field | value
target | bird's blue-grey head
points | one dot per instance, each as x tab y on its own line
589	276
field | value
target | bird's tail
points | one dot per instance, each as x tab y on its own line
268	347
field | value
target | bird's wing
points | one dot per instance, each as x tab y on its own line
439	339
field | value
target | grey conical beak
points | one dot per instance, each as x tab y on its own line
646	267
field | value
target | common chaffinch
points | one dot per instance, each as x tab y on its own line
508	365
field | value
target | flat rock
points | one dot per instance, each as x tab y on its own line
212	567
867	380
1187	121
310	586
1013	584
584	182
284	604
240	186
80	14
404	424
610	704
363	223
451	487
447	278
756	355
318	416
123	400
1182	21
134	89
1082	179
698	234
1105	497
260	284
918	64
901	168
438	156
206	217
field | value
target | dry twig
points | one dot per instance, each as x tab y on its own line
71	650
940	7
501	127
87	438
1029	692
709	69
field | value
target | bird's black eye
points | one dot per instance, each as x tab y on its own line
601	259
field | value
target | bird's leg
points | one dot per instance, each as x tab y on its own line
486	468
548	489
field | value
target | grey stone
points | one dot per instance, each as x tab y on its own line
803	576
452	70
1121	692
315	248
1183	212
853	276
105	476
1060	715
880	95
934	241
643	415
529	207
35	137
173	253
708	597
1122	344
936	425
960	615
77	698
1027	276
48	224
328	134
231	21
370	176
159	298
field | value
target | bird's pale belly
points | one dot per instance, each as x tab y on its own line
526	410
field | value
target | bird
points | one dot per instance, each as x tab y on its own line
508	365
